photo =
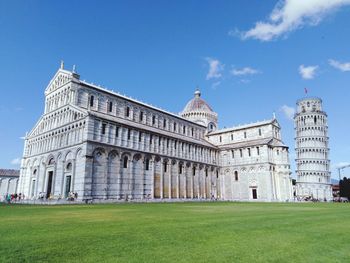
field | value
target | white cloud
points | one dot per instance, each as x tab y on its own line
16	161
289	15
244	71
338	65
215	68
307	72
288	112
215	84
244	81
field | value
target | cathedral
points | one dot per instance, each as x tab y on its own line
104	147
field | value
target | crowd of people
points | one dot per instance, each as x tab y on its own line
9	198
12	198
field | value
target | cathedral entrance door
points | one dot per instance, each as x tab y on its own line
49	184
33	188
255	194
68	182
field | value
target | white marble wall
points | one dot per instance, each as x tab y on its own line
104	140
312	150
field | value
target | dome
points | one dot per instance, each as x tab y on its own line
197	104
198	111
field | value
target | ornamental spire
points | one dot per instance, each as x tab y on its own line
197	93
62	64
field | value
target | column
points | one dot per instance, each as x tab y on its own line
192	180
153	174
205	184
63	163
185	181
177	182
120	179
161	178
170	168
73	174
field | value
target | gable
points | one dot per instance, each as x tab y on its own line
56	119
276	124
61	78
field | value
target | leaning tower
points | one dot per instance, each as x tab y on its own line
312	152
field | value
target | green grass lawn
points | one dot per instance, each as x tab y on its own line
178	232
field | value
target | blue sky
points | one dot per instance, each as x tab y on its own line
160	51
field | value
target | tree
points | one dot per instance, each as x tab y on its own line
344	186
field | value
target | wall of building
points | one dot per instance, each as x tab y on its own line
312	150
110	147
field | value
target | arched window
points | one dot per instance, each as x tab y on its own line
110	107
92	100
236	176
147	164
116	131
141	116
127	112
125	162
164	123
52	161
153	120
69	167
165	166
180	168
315	120
245	135
129	134
140	136
257	150
259	132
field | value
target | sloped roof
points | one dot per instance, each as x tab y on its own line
197	104
246	126
266	141
9	172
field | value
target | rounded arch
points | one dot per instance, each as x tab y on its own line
98	151
69	156
113	153
78	153
50	160
157	158
136	157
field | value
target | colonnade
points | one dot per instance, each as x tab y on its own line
125	175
